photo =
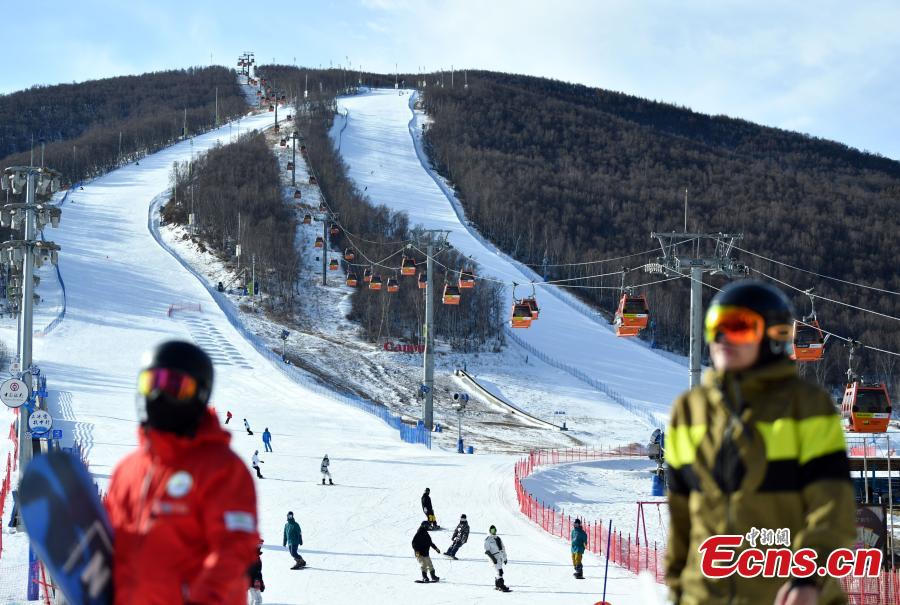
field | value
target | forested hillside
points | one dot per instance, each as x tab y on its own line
92	126
374	232
558	173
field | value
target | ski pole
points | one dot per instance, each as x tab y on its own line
606	571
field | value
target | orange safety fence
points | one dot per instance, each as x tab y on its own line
624	550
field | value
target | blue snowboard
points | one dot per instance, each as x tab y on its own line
68	527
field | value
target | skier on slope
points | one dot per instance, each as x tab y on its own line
325	472
183	492
579	543
428	509
228	416
496	552
254	462
460	537
267	439
257	586
422	546
293	539
247	426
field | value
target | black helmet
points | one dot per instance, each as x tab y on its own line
775	309
165	413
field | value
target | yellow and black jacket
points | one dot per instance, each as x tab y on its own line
761	449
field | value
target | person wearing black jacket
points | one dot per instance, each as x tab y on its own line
460	537
256	580
422	546
428	509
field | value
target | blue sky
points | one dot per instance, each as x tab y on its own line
831	69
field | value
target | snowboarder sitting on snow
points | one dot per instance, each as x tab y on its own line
428	509
267	439
579	543
247	426
460	537
257	586
254	462
496	552
293	539
325	472
182	505
422	546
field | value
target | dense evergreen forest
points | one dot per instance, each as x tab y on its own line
93	126
374	232
557	173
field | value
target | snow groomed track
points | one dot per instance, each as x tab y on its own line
120	284
378	133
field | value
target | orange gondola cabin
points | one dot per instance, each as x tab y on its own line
532	302
320	243
375	282
451	295
333	265
297	194
467	278
393	286
349	255
307	219
866	408
809	341
407	266
352	280
632	315
423	281
367	276
521	315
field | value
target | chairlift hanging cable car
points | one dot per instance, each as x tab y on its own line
393	286
467	278
367	275
531	301
352	281
333	265
423	281
320	243
349	255
809	340
521	316
407	266
865	407
632	314
451	294
375	282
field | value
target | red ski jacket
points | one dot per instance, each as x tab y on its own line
183	512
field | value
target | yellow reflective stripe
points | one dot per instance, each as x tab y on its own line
681	444
819	436
780	438
803	440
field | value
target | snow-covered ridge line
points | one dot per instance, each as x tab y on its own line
408	434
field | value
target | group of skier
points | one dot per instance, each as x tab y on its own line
422	545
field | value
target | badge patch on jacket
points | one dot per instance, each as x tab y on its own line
240	521
179	484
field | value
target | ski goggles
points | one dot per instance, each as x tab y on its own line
173	383
742	326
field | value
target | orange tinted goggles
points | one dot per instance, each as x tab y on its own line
742	326
173	383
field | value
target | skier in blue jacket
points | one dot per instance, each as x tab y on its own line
267	439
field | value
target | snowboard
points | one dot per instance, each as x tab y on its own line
426	581
68	527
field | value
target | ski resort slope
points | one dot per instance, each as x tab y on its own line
356	535
378	136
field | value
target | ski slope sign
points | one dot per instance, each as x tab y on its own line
68	527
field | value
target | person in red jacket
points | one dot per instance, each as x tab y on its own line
182	506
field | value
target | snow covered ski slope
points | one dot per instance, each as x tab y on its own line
378	136
120	284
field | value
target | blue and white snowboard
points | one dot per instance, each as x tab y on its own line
68	527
